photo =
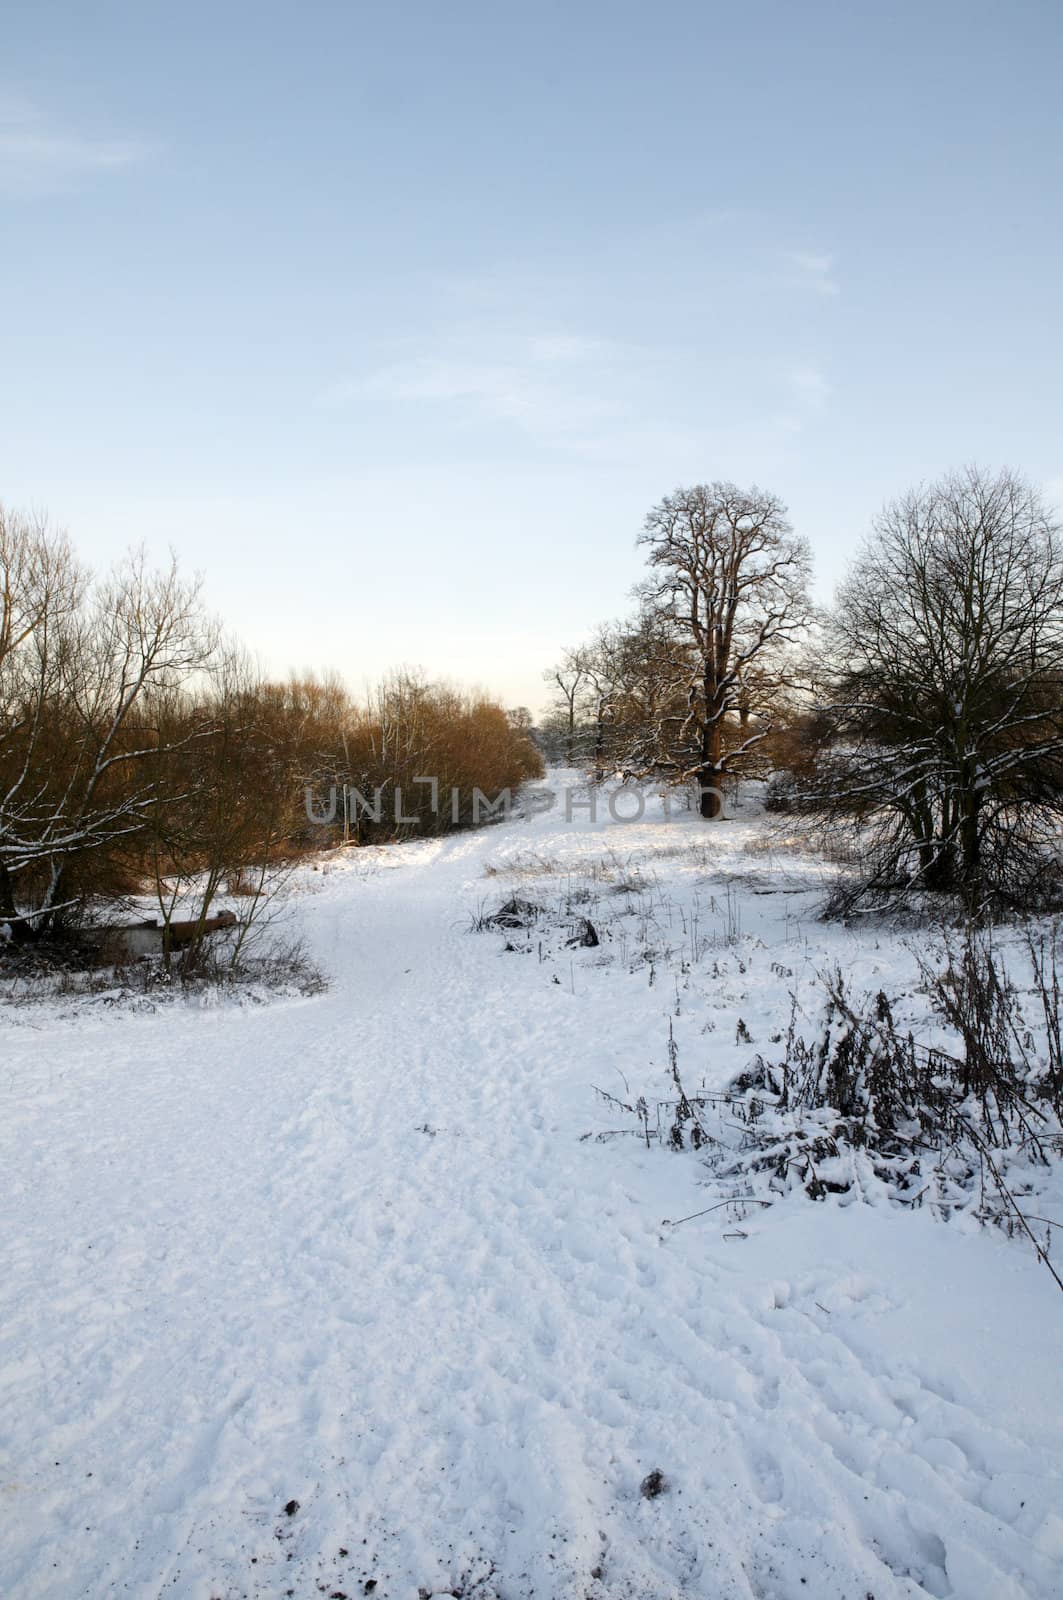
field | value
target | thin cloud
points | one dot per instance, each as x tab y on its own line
557	387
813	270
807	391
810	387
36	154
503	390
560	349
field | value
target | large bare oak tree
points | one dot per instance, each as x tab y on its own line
729	586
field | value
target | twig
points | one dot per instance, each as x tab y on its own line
736	1200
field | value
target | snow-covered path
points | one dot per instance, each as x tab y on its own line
350	1252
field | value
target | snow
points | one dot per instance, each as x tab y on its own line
350	1256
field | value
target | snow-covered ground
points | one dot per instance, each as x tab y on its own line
330	1297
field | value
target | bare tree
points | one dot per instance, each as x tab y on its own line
729	588
77	666
569	682
144	631
41	591
629	688
946	719
225	789
600	664
607	696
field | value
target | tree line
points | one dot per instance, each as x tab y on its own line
140	751
922	711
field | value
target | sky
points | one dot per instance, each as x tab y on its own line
395	320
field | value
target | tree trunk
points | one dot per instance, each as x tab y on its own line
939	866
970	847
710	772
20	928
711	799
46	915
599	743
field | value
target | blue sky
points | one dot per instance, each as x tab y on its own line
395	320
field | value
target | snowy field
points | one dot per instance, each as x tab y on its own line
331	1297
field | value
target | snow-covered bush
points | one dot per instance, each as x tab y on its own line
864	1109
